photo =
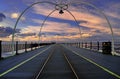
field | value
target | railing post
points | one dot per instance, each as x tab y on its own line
79	44
35	45
90	45
16	47
82	44
0	49
85	44
31	46
98	46
26	46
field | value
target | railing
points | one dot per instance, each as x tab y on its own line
117	47
96	46
19	47
88	45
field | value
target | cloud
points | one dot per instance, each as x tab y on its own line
96	24
30	29
93	24
14	15
53	29
113	15
2	17
7	31
80	16
26	34
113	11
90	21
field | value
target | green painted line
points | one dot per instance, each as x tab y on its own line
11	69
105	69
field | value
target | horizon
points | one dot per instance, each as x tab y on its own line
59	27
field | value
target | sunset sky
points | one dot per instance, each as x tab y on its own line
60	27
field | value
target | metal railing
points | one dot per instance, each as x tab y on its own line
117	47
96	46
19	47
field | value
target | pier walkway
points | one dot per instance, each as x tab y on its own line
60	62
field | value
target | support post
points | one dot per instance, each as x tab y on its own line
26	46
35	45
16	47
82	44
86	45
90	45
0	49
79	44
31	46
98	46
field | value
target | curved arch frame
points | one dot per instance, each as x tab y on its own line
76	23
43	24
50	14
101	12
113	51
13	34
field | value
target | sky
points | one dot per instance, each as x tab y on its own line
60	27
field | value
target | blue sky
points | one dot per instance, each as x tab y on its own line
92	24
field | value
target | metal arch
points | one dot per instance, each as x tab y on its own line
21	16
44	23
54	11
113	51
61	6
76	23
81	2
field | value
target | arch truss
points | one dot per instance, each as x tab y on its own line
61	7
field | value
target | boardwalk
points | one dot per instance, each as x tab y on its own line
60	62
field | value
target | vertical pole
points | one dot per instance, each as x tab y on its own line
16	47
26	46
35	45
0	49
79	44
82	44
31	46
90	45
86	45
98	46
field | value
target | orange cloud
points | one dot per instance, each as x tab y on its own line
93	21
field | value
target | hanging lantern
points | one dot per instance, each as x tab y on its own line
61	12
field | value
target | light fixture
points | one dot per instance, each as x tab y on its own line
61	7
61	12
